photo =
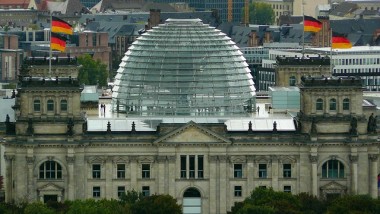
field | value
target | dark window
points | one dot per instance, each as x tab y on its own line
96	192
262	170
183	166
346	104
192	166
63	105
238	170
238	191
37	105
287	170
96	173
333	169
200	166
145	170
121	171
120	191
50	170
292	81
146	191
288	189
319	104
50	105
332	104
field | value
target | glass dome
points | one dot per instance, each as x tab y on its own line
183	67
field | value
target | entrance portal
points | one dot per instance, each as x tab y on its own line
48	198
192	201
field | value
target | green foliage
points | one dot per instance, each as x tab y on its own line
90	206
253	209
310	204
37	208
92	72
156	204
354	204
131	197
260	13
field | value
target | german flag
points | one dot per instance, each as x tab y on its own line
57	42
340	41
60	26
311	25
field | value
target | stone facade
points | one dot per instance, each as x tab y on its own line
223	166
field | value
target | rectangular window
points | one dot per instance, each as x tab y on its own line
96	192
200	166
237	191
238	170
145	190
192	166
287	170
183	166
50	105
120	191
262	170
96	173
145	170
37	105
63	105
288	189
121	171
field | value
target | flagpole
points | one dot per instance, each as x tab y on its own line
331	44
50	54
303	31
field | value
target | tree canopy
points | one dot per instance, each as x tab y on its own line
92	72
261	13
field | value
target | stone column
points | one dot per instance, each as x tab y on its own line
213	173
274	161
170	175
314	174
373	175
30	190
223	189
250	173
354	173
160	174
134	172
9	177
71	185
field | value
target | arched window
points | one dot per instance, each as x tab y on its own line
292	81
50	170
50	105
333	104
333	169
346	104
37	105
63	105
319	104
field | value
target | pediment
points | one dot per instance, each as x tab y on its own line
333	186
50	187
192	133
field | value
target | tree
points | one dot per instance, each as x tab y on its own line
37	208
92	72
131	197
354	204
260	13
156	204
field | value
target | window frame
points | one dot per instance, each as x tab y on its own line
37	102
287	171
346	104
238	170
145	190
238	191
50	105
288	189
145	173
120	171
333	169
96	192
120	191
332	104
319	104
63	103
96	173
263	170
50	170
